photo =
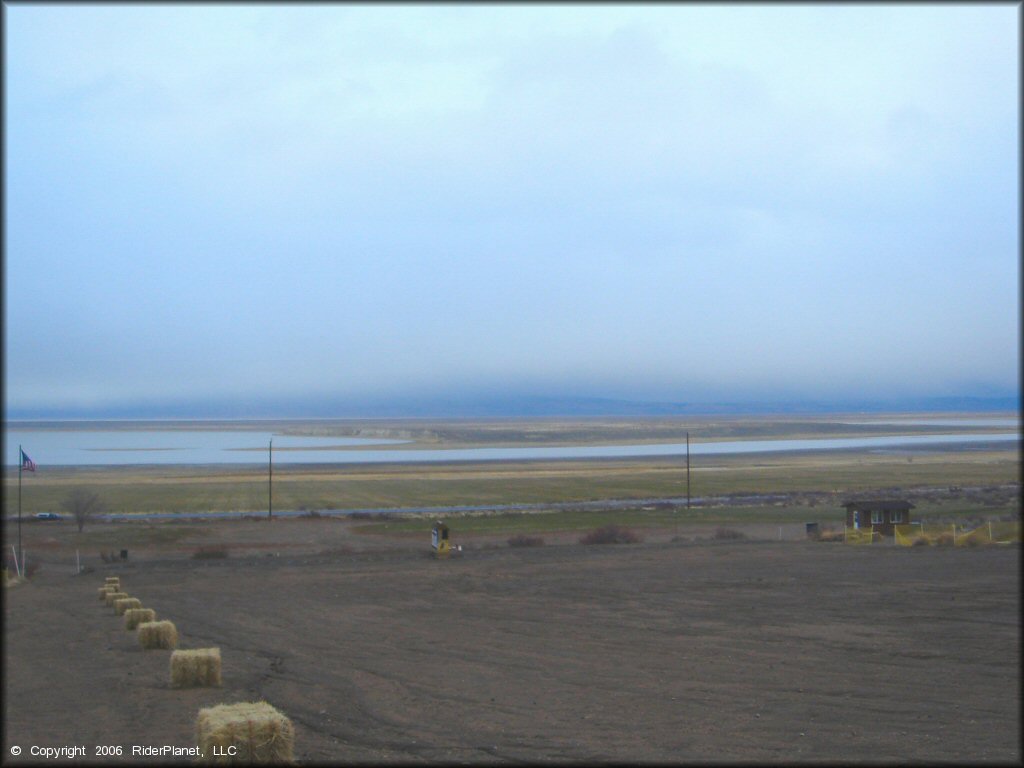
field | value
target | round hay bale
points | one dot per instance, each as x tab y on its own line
135	616
258	732
158	634
197	668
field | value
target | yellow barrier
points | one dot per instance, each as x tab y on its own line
990	533
860	536
910	535
986	533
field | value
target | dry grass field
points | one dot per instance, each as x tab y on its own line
199	489
694	649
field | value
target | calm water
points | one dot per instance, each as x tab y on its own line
84	448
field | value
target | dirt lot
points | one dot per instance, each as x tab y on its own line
699	650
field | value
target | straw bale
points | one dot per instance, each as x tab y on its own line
112	596
115	580
106	589
158	634
120	606
197	668
257	731
135	616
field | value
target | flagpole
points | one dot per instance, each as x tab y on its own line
21	555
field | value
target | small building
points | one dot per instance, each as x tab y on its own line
881	515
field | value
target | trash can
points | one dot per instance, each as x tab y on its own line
812	530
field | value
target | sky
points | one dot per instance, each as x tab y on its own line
256	207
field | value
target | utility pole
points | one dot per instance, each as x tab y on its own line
687	471
270	480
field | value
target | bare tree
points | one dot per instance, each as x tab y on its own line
82	505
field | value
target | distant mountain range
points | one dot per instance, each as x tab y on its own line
509	406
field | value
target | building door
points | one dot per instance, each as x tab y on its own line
856	519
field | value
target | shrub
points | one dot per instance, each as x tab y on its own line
210	552
920	541
610	534
522	540
728	533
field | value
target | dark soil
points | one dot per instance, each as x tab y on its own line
707	650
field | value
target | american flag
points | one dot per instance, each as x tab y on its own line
27	463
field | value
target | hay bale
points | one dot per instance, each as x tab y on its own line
135	616
120	606
112	596
105	590
115	580
198	668
257	731
158	634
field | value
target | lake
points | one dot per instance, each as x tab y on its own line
80	447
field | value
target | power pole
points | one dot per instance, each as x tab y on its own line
270	480
687	471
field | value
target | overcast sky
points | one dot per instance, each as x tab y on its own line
674	202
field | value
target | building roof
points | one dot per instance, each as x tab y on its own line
883	505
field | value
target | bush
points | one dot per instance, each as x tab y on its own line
610	534
728	533
522	540
370	516
210	552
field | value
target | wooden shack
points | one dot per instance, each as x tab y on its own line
880	515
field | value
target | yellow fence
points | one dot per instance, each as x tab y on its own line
861	536
986	533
